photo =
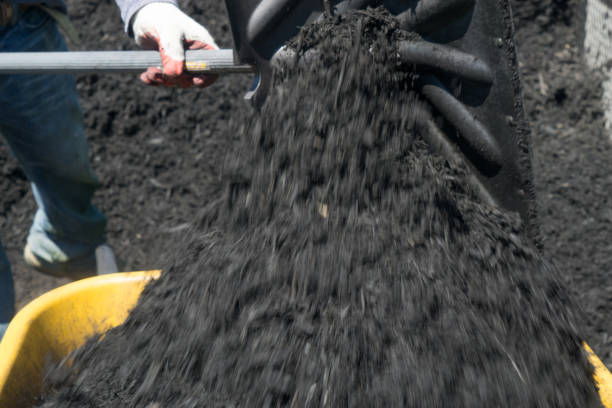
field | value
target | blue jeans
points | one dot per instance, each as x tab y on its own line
42	122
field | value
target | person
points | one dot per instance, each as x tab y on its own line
42	123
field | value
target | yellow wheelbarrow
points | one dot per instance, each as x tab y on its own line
58	322
61	320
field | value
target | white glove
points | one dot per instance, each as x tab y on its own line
163	27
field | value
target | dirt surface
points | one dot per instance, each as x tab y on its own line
342	264
154	153
572	157
151	148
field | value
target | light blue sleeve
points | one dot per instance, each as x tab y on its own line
130	7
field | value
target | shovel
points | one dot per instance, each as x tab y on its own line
217	62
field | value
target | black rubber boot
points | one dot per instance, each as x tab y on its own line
474	83
468	69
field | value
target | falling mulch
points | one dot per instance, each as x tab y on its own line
157	151
343	264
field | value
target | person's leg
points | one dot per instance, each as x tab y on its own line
43	124
7	292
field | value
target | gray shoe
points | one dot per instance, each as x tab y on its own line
99	262
3	327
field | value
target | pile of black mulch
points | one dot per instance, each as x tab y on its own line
343	264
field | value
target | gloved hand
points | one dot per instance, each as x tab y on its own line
163	27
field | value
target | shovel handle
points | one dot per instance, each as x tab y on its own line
218	62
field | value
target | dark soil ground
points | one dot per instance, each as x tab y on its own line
572	157
151	148
154	153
